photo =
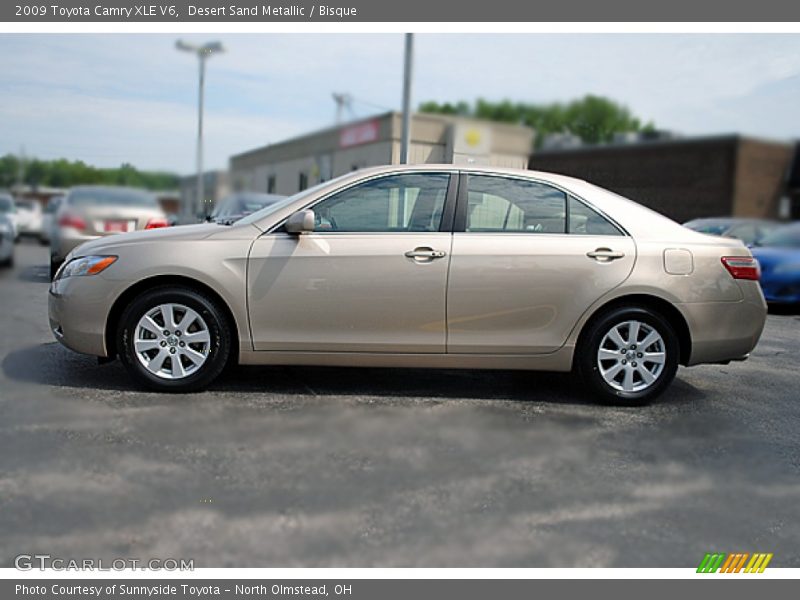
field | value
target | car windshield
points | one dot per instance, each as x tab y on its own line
6	204
785	237
268	210
111	197
241	205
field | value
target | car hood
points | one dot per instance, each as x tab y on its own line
164	234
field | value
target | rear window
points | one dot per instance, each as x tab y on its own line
112	197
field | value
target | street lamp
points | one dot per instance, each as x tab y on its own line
203	53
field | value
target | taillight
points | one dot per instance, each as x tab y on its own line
72	221
742	267
157	223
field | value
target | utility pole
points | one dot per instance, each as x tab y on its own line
203	53
407	75
342	101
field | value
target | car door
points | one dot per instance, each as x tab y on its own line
371	277
527	260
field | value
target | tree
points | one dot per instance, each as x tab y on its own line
63	173
593	118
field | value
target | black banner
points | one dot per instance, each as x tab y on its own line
731	587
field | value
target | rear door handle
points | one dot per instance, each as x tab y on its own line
425	253
605	255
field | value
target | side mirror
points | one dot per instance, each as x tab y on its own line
300	222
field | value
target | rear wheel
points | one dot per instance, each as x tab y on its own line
174	339
628	356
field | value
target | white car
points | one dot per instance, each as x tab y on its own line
29	218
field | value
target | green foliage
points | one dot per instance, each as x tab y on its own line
593	118
63	173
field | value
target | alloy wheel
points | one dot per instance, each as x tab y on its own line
631	356
172	341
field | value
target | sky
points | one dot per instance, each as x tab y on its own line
109	99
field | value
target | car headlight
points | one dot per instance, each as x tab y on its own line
85	265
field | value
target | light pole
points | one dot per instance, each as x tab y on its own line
203	53
407	74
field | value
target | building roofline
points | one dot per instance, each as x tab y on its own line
694	140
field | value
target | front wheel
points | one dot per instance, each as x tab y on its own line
174	339
628	356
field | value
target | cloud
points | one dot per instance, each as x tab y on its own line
132	98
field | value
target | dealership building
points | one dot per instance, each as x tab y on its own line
290	166
687	178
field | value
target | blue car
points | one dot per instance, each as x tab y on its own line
779	256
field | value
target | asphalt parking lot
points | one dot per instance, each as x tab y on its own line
358	467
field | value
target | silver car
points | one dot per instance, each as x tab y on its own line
90	212
7	235
419	266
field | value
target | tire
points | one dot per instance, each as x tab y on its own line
54	266
630	379
152	366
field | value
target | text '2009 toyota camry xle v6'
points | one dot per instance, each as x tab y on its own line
419	266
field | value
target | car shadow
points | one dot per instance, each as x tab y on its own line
52	365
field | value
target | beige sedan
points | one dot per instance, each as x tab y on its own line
419	266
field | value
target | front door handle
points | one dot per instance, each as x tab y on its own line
425	253
605	255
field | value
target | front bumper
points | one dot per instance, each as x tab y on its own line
781	290
78	311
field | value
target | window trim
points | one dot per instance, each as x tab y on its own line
462	204
448	210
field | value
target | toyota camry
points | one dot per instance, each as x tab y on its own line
419	266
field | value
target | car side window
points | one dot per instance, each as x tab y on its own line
397	203
502	204
587	221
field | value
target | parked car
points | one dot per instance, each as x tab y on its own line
238	205
750	231
419	266
8	209
29	217
49	219
779	257
91	212
7	235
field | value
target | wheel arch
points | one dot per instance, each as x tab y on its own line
140	287
659	305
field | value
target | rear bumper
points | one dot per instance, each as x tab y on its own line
725	331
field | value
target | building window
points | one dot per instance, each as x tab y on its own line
271	184
303	183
